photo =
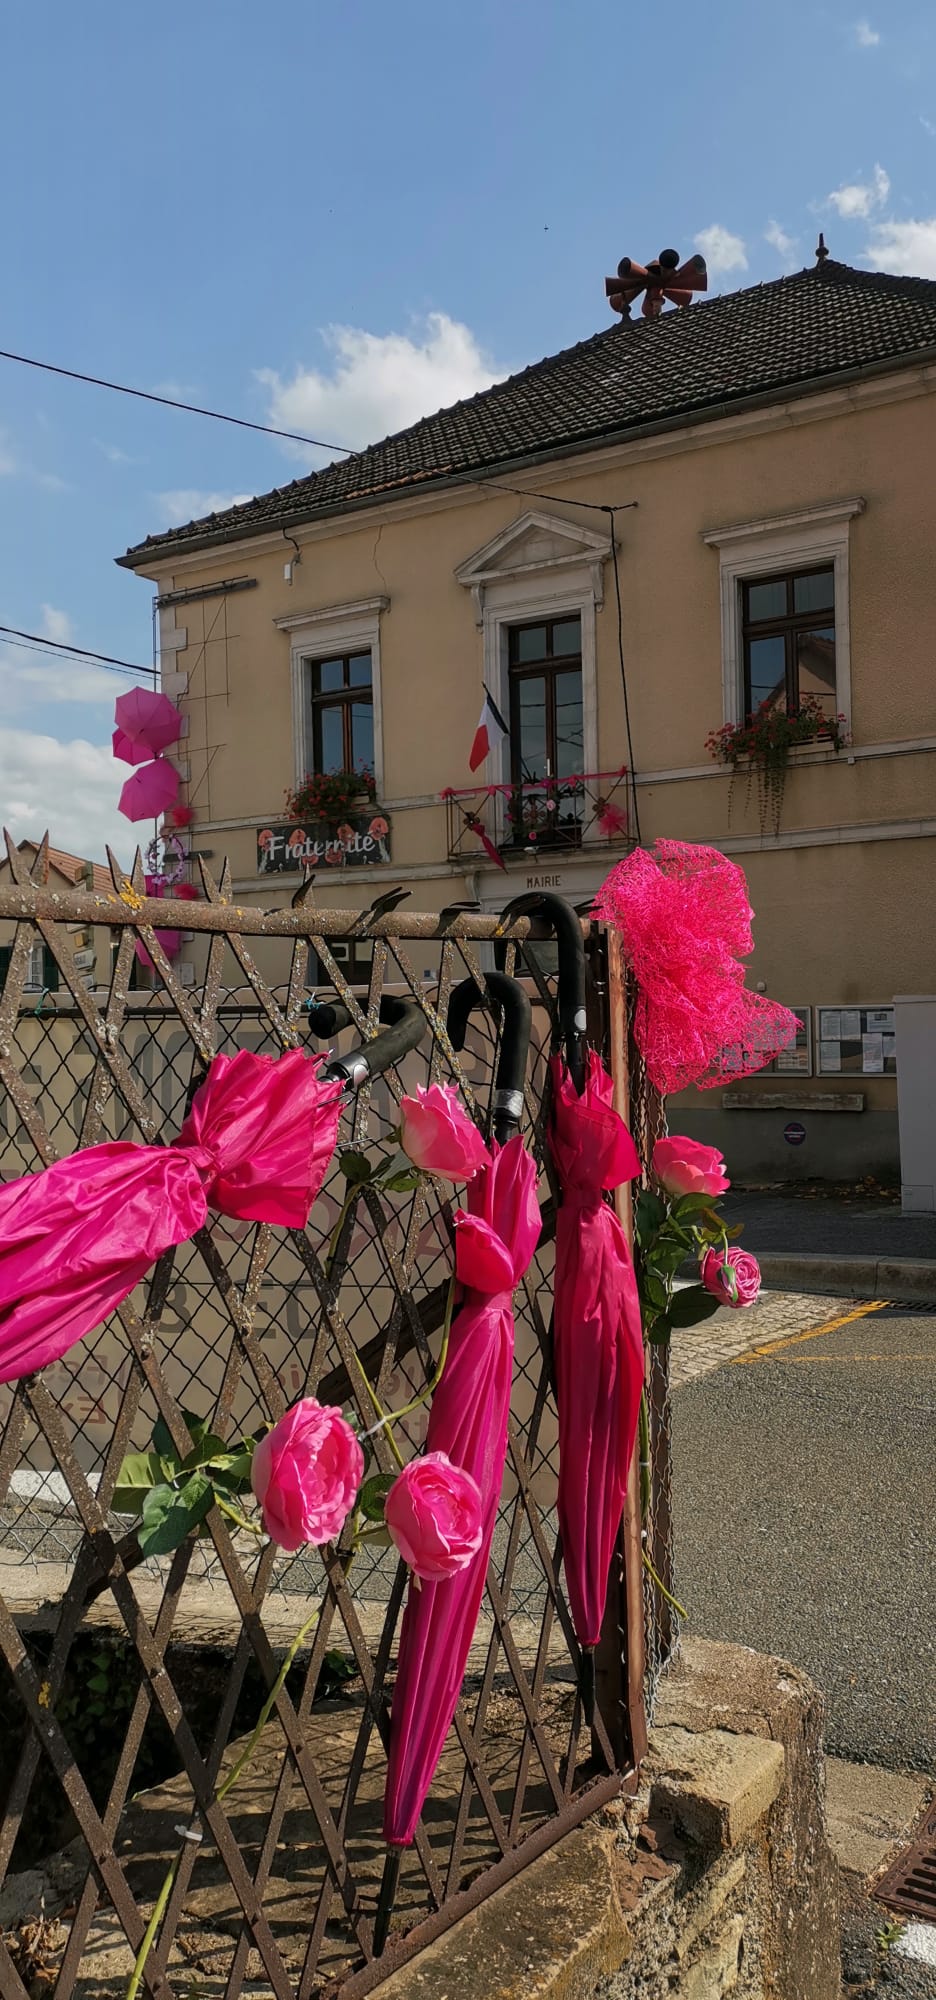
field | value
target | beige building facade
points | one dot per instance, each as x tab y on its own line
627	547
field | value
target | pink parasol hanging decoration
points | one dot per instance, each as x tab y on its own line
495	1237
685	921
76	1238
150	790
494	1242
598	1338
147	720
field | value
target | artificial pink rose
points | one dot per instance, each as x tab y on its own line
732	1276
437	1134
433	1513
306	1474
682	1166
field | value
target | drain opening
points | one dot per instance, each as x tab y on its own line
909	1884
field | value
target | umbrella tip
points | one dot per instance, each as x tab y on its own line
587	1684
385	1901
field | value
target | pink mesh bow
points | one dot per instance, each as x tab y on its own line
685	919
76	1238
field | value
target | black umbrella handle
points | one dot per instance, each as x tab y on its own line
571	994
509	997
407	1026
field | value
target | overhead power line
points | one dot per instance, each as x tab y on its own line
171	402
33	642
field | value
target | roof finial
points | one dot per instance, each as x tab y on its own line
821	251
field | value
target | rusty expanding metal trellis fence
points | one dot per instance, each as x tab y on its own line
276	1888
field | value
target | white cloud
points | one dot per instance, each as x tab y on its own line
857	199
721	250
188	503
56	625
908	248
114	455
866	37
69	788
379	383
777	237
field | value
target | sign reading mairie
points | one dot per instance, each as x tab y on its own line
297	848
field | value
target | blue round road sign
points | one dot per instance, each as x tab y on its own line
794	1133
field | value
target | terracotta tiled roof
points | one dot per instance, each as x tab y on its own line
768	341
72	867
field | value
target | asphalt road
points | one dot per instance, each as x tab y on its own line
804	1489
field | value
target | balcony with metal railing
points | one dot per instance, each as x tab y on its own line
546	815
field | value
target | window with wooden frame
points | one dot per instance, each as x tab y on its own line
341	703
788	639
546	715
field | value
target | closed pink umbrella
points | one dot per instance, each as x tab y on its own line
597	1328
150	790
495	1239
149	721
76	1238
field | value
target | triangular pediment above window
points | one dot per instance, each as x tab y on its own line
535	542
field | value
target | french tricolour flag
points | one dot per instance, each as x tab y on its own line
491	729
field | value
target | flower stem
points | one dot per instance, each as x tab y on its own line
378	1408
234	1514
396	1416
670	1599
149	1935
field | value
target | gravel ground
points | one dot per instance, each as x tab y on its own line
803	1513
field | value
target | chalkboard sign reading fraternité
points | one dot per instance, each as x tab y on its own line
361	841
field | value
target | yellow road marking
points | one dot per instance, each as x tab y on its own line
813	1333
820	1360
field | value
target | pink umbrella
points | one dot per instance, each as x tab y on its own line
494	1242
597	1328
150	790
76	1238
150	721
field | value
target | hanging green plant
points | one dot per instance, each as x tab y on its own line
762	746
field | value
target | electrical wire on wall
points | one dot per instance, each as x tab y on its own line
623	665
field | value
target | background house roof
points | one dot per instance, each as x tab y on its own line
71	866
770	340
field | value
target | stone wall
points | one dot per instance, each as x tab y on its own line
715	1878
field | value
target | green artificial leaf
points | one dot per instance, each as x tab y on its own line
139	1473
692	1305
209	1450
653	1290
373	1494
338	1666
356	1168
649	1215
169	1514
694	1204
402	1182
197	1429
667	1255
98	1683
379	1538
659	1332
231	1469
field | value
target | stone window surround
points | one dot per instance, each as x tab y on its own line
761	548
518	593
316	635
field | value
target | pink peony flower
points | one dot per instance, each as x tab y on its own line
733	1276
433	1513
682	1166
379	827
438	1135
306	1473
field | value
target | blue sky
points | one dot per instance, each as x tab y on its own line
337	218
